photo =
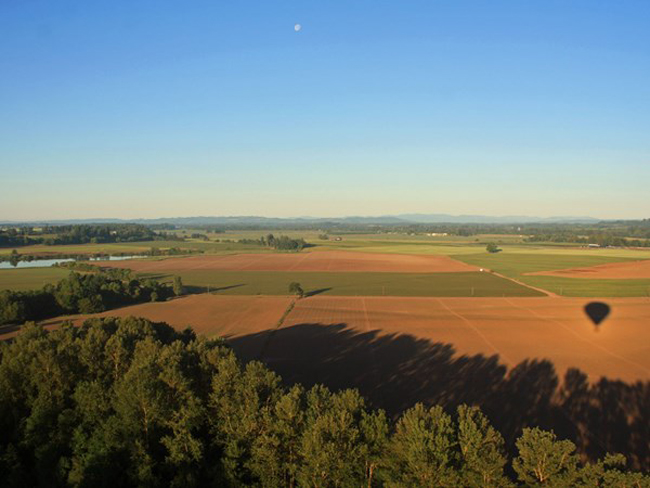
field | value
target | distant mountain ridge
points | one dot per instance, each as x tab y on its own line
404	219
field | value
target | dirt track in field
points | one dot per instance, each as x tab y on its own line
613	271
334	261
213	316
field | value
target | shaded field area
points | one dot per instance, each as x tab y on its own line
524	361
350	284
325	261
613	271
30	279
515	329
528	268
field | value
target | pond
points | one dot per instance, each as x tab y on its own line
46	263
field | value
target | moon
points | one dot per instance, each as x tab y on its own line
297	27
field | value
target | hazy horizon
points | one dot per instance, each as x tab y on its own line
140	109
322	217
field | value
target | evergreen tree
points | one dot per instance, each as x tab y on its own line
422	451
178	286
481	448
545	460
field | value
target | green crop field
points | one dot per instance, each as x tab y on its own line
349	284
111	248
516	259
137	247
29	278
582	287
516	264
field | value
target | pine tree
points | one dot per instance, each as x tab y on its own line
481	448
422	451
545	460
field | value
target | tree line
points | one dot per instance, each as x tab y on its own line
75	234
128	402
81	234
80	293
282	243
603	239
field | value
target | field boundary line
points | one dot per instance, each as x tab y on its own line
521	283
476	330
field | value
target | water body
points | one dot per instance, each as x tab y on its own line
46	263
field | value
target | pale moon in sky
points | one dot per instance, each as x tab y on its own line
297	27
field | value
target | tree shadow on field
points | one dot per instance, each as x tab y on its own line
155	276
194	289
212	290
395	371
317	292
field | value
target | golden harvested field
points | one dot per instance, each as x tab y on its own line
514	329
222	316
334	261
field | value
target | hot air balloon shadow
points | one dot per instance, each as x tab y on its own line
597	312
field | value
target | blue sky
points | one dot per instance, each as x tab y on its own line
160	108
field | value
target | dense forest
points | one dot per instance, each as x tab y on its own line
80	293
127	402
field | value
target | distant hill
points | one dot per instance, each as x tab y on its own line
404	219
486	219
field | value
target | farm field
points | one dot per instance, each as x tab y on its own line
134	247
513	329
329	261
350	284
510	330
522	266
471	246
527	264
212	316
613	271
29	279
407	349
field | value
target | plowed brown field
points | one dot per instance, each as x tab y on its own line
335	261
514	329
613	271
222	316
